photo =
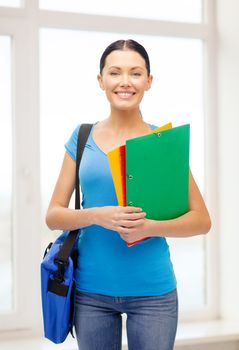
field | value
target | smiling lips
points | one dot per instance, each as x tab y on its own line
124	94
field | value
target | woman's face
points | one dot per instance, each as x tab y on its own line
125	79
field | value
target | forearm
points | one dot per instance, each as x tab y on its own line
109	217
190	224
60	218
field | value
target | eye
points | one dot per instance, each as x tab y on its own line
114	73
137	74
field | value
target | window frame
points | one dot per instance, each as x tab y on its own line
23	25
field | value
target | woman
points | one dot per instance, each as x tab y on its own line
111	278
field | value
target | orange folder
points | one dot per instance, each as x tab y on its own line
116	159
117	166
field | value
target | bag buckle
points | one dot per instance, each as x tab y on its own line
59	274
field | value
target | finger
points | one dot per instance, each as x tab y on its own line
123	232
134	216
129	209
129	230
131	223
127	237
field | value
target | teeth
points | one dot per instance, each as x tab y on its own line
125	94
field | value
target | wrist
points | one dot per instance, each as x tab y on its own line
93	216
153	227
86	217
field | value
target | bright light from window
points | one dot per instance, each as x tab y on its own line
6	175
170	10
70	95
11	3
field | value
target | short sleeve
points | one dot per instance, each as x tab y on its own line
71	144
153	127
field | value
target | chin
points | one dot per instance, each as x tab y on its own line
125	105
125	108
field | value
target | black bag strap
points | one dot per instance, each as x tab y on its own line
82	139
66	248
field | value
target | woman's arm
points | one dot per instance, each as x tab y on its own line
195	222
60	217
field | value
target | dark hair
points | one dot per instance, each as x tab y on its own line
123	45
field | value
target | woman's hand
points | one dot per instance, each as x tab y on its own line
120	219
132	234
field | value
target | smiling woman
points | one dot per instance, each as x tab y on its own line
176	95
107	270
125	79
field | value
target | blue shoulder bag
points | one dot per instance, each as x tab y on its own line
57	269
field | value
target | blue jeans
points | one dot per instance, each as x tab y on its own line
151	321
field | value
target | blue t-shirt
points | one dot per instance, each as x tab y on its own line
106	265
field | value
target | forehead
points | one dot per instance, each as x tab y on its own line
124	58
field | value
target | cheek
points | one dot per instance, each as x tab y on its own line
110	83
140	85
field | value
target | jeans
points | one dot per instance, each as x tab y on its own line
151	321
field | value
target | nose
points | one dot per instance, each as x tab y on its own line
125	80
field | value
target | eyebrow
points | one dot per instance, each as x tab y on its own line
136	67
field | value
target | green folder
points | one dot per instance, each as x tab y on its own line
157	173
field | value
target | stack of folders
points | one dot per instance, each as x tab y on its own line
152	172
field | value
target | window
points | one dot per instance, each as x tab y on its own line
170	10
11	3
48	80
6	242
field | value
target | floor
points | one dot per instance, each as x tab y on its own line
218	335
36	344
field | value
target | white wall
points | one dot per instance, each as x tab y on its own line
228	147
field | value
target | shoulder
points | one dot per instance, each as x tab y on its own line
71	144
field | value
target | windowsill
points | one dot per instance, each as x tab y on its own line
207	332
188	334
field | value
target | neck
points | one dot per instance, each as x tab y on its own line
129	119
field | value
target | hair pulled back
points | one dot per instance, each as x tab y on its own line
125	45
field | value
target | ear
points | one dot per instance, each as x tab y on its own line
149	82
100	80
